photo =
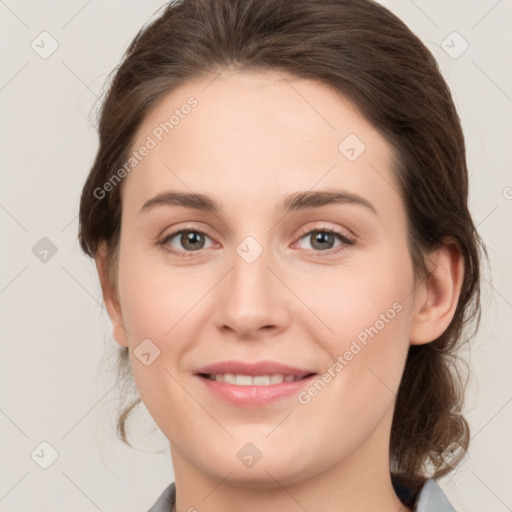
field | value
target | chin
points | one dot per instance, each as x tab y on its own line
268	472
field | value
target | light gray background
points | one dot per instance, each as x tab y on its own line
56	380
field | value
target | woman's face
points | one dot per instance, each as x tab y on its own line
279	272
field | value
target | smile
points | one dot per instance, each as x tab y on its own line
253	391
256	380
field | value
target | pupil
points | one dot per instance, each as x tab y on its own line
193	239
322	237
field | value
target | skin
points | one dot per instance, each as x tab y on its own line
254	139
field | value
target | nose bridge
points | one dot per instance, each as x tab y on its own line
251	279
252	296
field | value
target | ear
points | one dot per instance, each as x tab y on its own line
437	296
110	296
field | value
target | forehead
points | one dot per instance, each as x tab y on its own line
258	136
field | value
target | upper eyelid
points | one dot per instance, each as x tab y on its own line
326	227
303	232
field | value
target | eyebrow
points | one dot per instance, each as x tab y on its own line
295	202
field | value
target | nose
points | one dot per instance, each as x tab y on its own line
252	299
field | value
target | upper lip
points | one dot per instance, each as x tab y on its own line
253	369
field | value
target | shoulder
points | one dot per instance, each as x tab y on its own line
431	498
166	500
420	494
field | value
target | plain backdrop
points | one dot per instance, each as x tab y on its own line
57	386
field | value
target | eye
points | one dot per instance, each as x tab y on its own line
323	239
185	242
189	239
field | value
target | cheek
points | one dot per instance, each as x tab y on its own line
367	313
370	299
154	299
155	307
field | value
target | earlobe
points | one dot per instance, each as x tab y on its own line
110	297
437	296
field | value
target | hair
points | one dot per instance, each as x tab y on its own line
367	54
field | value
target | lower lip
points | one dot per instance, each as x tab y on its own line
254	396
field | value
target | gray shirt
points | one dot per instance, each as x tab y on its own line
431	498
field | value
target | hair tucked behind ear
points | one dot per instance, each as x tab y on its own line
366	53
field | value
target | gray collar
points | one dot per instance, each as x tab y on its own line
431	498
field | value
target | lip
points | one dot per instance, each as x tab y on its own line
252	369
254	396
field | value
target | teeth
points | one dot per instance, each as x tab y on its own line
248	380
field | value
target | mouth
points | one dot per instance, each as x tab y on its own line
254	380
254	391
253	384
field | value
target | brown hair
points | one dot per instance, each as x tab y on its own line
362	50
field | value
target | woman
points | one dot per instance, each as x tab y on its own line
236	139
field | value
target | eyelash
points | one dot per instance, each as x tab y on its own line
346	241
